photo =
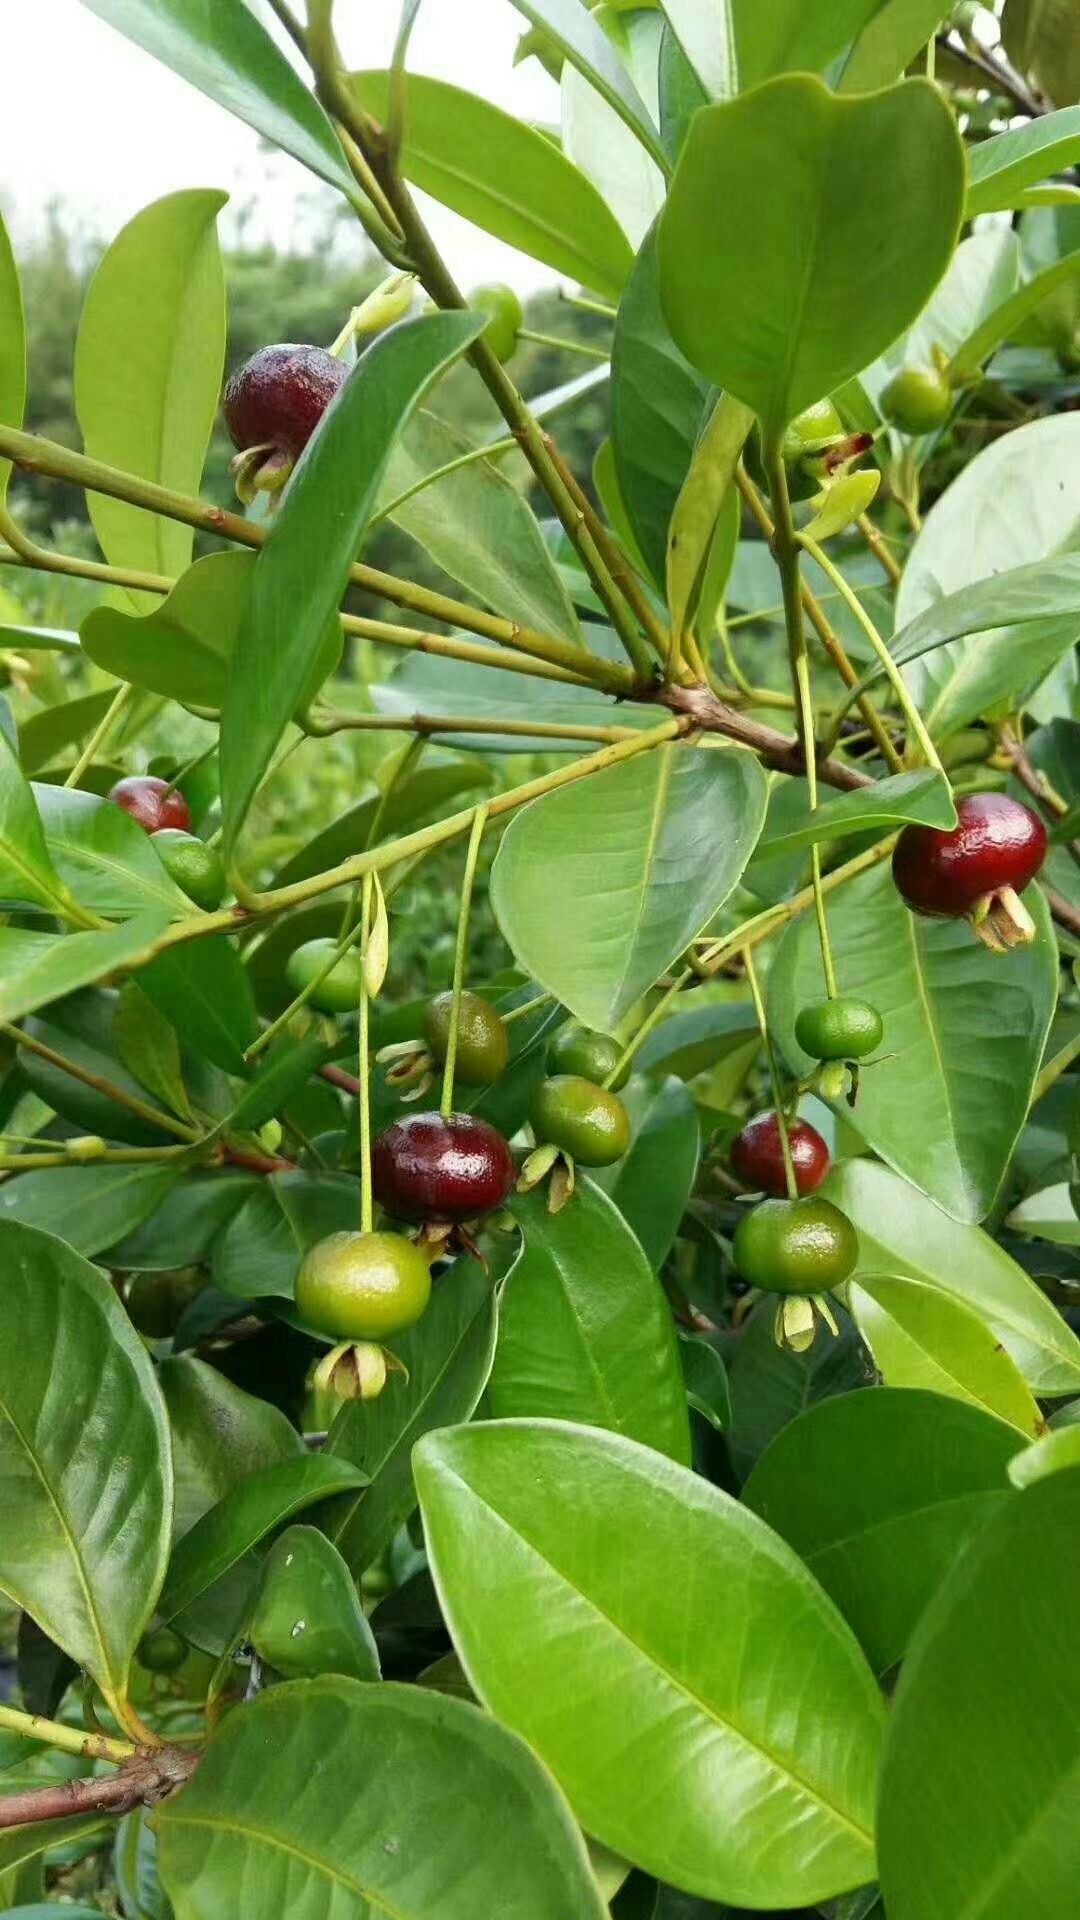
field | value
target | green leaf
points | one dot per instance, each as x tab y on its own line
761	302
658	406
889	42
339	1825
21	1844
706	35
1002	168
506	178
84	1458
449	688
902	1232
39	639
203	989
149	1047
707	1387
581	41
924	798
134	1863
1047	1215
697	521
300	575
652	1184
1053	1454
690	1043
771	1385
720	1658
426	795
1016	503
585	1331
787	36
148	368
963	1025
182	647
27	873
259	1254
880	1493
225	52
243	1517
636	861
12	349
597	141
448	1355
88	1207
220	1436
1006	322
82	1029
920	1337
477	527
106	860
181	1231
308	1618
986	1722
46	735
38	967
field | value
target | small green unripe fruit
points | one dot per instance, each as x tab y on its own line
195	867
591	1056
339	992
795	1246
812	431
85	1147
842	1029
507	315
584	1120
483	1047
161	1651
362	1286
917	400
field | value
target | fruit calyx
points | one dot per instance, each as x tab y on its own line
976	870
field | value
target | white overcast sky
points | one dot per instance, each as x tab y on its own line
91	121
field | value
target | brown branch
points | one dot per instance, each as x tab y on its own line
145	1781
779	750
998	74
1064	913
338	1077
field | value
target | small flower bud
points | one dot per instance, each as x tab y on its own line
85	1147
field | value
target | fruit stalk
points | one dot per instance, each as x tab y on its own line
446	1105
774	1073
367	1207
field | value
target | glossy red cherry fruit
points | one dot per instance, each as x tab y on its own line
431	1169
152	803
757	1155
277	398
978	869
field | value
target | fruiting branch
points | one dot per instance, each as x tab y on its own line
141	1782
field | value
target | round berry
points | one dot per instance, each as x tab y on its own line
428	1168
841	1029
757	1155
583	1120
589	1056
917	400
483	1047
152	803
339	991
795	1246
195	867
362	1286
161	1651
812	432
277	398
997	844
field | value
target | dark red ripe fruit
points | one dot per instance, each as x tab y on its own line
152	803
278	397
757	1156
428	1168
998	844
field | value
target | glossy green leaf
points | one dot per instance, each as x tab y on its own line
300	575
182	646
1048	1214
653	1182
889	41
921	1337
965	1026
880	1493
148	368
134	1862
181	1231
148	1045
720	1657
1001	168
786	36
225	52
84	1459
638	858
428	794
690	1043
220	1436
598	142
12	349
105	859
27	873
318	1799
923	798
1007	322
706	35
477	527
448	1355
38	967
259	1254
506	178
203	990
582	42
585	1331
771	1385
697	519
308	1618
1016	503
986	1723
900	1231
658	406
82	1029
708	1389
761	302
88	1207
1053	1454
456	688
244	1516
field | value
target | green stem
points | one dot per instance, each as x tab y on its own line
878	548
895	677
588	671
406	760
367	1204
1053	1069
114	1156
461	951
426	724
648	1025
526	1007
563	346
53	1733
152	1115
119	705
269	1034
589	306
45	560
774	1075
